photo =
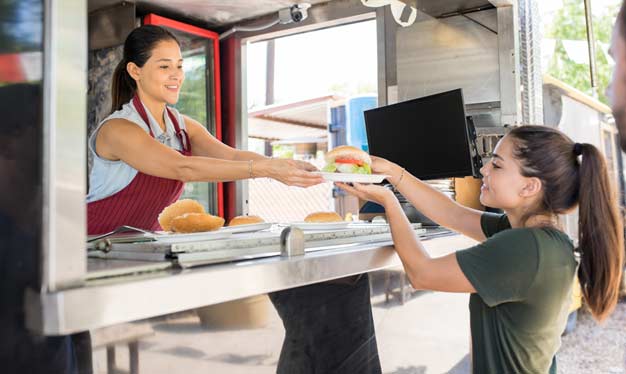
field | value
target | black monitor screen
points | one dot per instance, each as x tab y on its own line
427	136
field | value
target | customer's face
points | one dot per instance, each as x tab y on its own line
616	91
504	186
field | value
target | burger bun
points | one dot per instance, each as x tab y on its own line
196	222
323	217
176	209
245	220
348	151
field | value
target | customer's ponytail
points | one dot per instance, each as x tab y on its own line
569	180
600	233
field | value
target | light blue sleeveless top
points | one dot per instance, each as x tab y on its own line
109	177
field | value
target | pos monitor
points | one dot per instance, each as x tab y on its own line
430	136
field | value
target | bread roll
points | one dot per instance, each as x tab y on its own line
196	222
178	209
245	220
320	217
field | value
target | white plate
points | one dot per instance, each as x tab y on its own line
169	237
252	227
358	178
320	225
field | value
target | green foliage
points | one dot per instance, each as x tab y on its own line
569	24
283	151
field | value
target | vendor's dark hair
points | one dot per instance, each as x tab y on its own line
551	156
137	49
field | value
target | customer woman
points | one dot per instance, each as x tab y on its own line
145	151
520	276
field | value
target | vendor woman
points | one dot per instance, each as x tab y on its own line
145	151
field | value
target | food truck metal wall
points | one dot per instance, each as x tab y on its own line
65	78
64	264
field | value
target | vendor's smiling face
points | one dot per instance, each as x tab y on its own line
503	184
162	76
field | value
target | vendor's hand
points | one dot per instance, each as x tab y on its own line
289	172
371	192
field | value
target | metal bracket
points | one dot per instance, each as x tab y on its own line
291	242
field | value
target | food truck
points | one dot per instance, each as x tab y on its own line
185	305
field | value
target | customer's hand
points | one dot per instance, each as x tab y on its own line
381	165
371	192
289	172
386	167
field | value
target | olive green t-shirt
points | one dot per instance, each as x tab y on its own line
523	279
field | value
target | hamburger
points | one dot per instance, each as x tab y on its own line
323	217
245	220
348	159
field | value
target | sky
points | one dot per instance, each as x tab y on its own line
309	64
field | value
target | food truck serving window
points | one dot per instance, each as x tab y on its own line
428	135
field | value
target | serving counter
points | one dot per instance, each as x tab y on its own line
120	290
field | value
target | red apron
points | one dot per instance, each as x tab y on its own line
139	203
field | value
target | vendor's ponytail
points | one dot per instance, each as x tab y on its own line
123	87
137	49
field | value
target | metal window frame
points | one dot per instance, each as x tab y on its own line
213	85
64	146
321	16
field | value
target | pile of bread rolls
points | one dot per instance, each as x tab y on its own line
187	215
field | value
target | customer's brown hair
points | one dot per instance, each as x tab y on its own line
553	158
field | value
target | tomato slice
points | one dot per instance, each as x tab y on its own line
348	161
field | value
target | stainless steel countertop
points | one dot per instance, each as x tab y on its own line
123	299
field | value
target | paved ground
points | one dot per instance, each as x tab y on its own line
429	334
594	348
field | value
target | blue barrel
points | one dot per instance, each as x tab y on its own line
356	134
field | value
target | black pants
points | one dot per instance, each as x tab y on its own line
329	329
23	352
27	354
